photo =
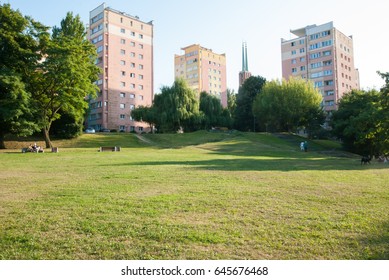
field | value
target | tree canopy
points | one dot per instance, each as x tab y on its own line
244	118
65	76
286	105
21	38
361	122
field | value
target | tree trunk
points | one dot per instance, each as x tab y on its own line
47	138
2	142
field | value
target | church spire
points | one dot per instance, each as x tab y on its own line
244	74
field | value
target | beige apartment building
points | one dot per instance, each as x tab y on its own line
203	70
124	45
325	56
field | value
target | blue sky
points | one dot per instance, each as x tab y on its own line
222	25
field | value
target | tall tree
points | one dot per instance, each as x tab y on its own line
358	123
177	107
286	105
66	75
244	118
212	109
20	41
145	114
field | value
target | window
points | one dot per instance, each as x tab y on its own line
132	54
132	96
132	86
302	50
97	39
132	33
122	105
132	65
140	66
132	44
140	36
140	97
302	41
122	52
132	75
123	41
140	87
122	94
293	52
99	60
141	46
329	92
141	56
122	30
99	82
293	44
327	63
294	70
302	68
122	128
122	116
123	73
122	84
140	77
100	49
122	62
294	61
329	83
132	106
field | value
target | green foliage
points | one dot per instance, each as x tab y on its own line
244	118
19	44
287	105
360	123
177	107
214	114
66	75
145	114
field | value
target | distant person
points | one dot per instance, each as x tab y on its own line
305	146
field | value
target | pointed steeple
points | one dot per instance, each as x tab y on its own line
246	60
244	74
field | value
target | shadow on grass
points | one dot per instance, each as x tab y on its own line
376	245
251	164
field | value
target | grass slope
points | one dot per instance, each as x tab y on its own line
192	196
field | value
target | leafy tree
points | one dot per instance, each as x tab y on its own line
286	105
212	109
177	107
231	103
14	108
357	122
244	118
66	75
20	40
145	114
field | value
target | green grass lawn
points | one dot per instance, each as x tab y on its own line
192	196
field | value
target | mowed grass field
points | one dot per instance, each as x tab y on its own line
192	196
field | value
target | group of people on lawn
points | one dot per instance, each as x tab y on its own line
34	148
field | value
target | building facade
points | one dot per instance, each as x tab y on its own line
325	56
203	70
124	45
244	74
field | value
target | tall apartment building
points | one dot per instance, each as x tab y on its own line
124	45
244	74
204	70
325	56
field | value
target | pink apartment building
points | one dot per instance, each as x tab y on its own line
325	56
204	70
124	45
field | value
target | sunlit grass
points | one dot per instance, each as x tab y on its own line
192	196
